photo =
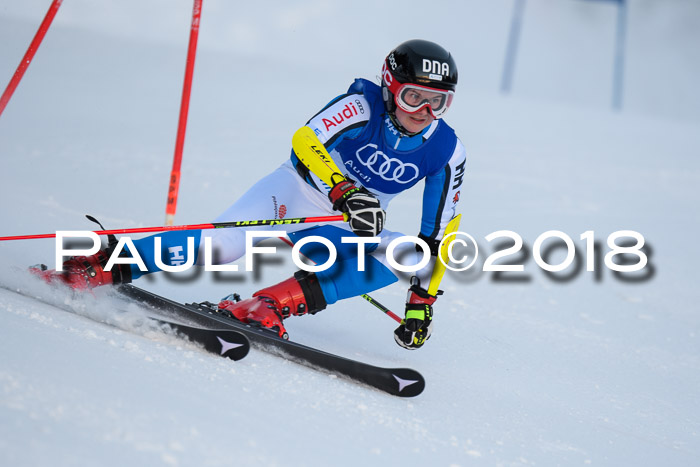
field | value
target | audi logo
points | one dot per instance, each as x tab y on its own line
388	168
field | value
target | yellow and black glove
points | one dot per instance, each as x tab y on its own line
417	326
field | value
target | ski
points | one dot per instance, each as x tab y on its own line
402	382
222	341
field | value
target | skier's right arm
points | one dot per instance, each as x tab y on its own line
340	119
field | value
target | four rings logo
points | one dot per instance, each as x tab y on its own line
388	168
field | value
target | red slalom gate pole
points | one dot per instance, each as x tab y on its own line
215	225
29	55
174	186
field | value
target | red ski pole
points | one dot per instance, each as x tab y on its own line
29	55
174	186
387	311
215	225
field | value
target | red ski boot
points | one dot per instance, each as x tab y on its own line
85	272
297	296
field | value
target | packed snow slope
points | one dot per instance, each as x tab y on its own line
523	368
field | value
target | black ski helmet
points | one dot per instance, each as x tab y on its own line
418	62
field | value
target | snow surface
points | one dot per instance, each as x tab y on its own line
594	370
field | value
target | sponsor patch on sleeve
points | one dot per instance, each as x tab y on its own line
346	112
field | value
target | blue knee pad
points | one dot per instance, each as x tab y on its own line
173	250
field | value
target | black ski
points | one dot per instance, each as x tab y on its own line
403	382
227	343
222	341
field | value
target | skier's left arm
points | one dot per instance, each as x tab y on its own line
440	198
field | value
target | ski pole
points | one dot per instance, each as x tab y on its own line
382	307
214	225
29	55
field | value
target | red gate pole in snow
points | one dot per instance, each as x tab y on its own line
171	205
27	59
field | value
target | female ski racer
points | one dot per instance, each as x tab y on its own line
386	138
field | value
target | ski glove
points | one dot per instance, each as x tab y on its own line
363	208
416	328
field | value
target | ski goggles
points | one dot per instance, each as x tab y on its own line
412	97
